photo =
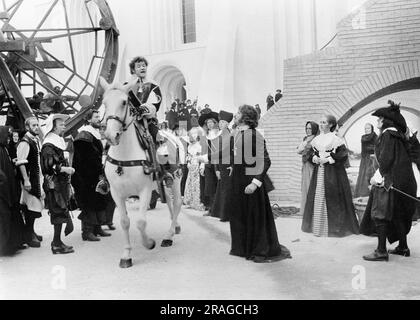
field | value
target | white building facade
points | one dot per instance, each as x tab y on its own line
223	52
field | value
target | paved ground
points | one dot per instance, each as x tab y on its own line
198	267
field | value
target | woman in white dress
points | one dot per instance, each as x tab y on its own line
192	185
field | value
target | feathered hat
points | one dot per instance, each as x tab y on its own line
392	113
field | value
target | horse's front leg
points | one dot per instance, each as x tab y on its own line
126	261
174	208
144	201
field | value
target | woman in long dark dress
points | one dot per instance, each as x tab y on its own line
329	209
389	211
305	149
11	221
366	169
253	231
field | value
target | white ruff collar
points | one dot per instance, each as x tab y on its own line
94	132
327	141
55	140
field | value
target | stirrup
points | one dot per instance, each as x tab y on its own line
148	169
168	179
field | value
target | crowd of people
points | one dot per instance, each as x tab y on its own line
186	113
224	175
38	174
389	166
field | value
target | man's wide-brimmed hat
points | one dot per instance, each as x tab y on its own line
49	123
393	113
206	116
226	116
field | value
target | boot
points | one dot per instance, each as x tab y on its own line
100	232
400	252
87	232
32	241
89	236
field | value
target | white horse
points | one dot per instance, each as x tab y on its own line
124	167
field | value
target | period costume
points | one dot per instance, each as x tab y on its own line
221	159
87	162
253	231
209	143
329	209
389	213
305	150
29	156
148	92
172	117
366	169
194	115
56	184
11	222
192	187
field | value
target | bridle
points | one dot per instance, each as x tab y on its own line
122	121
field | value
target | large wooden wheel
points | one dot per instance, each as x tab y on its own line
67	47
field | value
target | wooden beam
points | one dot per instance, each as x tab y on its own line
10	82
13	45
4	15
42	65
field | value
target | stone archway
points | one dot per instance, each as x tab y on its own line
172	83
409	99
373	56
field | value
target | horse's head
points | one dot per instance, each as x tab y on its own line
117	110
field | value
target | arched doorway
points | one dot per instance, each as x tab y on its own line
172	84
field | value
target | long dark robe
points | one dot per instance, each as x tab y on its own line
11	220
366	169
252	226
395	166
222	202
210	178
342	220
87	162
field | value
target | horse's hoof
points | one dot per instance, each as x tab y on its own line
126	263
153	245
166	243
177	230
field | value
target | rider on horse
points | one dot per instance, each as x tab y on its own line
140	98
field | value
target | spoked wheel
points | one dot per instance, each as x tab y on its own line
58	47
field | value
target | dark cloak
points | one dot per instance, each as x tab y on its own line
11	221
87	162
384	204
366	169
